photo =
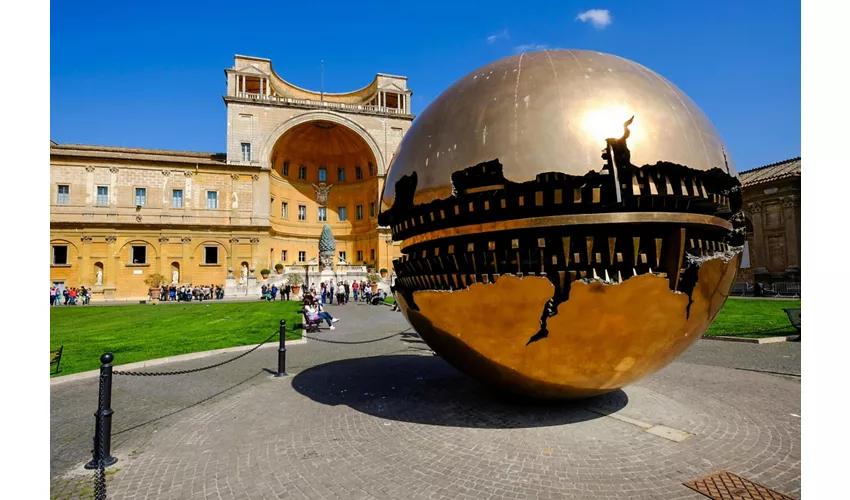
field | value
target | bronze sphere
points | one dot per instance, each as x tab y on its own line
569	222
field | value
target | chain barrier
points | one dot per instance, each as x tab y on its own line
194	370
329	341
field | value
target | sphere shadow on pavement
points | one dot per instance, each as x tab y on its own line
427	390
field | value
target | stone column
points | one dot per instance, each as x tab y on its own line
790	212
166	191
110	267
90	189
186	266
255	252
113	187
85	258
759	263
164	268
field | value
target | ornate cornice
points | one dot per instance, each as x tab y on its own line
234	240
138	218
791	201
113	170
166	173
186	240
89	168
111	239
188	173
163	239
85	239
755	207
235	177
254	241
255	177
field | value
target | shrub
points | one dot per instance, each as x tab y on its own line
383	270
265	271
155	280
372	278
295	280
278	266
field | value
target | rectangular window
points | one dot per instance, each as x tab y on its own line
358	173
360	256
302	172
286	168
340	174
138	254
246	151
323	214
323	174
371	169
302	256
141	196
60	255
342	256
283	255
211	255
372	255
284	210
62	194
212	199
302	212
177	198
102	196
359	212
343	213
372	209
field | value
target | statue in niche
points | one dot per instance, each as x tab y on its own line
175	275
244	274
98	277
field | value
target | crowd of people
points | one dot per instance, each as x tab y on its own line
188	293
69	297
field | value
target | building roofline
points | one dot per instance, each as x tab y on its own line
789	160
159	154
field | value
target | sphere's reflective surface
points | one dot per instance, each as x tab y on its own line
569	223
552	111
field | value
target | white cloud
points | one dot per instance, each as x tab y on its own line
498	36
598	17
530	47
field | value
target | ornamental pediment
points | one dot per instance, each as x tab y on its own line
251	70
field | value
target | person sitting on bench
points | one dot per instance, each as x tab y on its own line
378	298
312	311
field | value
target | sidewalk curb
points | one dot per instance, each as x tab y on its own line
766	340
171	359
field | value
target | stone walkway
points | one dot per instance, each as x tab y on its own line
388	420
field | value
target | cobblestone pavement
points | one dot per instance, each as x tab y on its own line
388	420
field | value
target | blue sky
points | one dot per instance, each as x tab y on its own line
150	74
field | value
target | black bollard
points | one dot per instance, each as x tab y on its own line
281	351
103	417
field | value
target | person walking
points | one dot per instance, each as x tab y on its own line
355	287
52	296
347	290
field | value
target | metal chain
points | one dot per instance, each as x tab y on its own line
351	342
194	370
100	472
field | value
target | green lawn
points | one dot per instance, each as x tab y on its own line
141	332
389	300
746	318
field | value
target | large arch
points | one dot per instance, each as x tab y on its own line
321	115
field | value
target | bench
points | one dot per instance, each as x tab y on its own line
56	357
794	317
310	326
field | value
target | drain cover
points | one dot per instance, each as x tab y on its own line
724	485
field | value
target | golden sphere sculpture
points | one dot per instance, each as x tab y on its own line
569	223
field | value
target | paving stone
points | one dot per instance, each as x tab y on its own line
386	419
